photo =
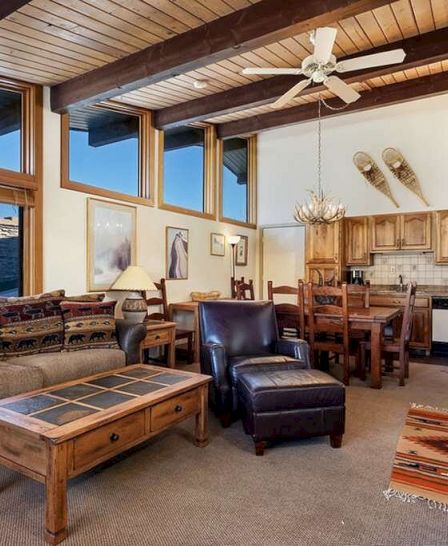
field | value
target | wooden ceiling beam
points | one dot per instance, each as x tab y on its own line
420	50
10	6
427	86
255	26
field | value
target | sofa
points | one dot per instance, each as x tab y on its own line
51	365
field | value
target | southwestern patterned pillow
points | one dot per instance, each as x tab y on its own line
29	328
89	325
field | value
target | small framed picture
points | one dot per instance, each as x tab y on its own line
176	253
111	242
217	244
241	251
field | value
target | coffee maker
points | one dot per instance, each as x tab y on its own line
355	276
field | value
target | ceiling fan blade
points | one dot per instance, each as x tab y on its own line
394	56
273	71
324	39
341	89
289	95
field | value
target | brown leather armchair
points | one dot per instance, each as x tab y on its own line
239	337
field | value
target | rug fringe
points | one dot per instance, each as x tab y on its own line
431	408
409	497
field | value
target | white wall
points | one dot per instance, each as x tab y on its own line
65	235
288	159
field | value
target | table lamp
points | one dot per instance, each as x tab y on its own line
136	280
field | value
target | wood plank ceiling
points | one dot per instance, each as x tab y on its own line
50	41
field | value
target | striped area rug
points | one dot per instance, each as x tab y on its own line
420	469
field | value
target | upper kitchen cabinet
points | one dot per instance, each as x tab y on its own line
385	232
401	232
415	230
324	243
441	237
357	240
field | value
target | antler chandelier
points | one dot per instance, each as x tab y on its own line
321	208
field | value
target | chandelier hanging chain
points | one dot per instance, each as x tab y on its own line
321	209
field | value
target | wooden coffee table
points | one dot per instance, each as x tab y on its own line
54	434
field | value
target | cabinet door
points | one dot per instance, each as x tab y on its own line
421	329
415	230
357	241
323	243
323	274
441	232
385	232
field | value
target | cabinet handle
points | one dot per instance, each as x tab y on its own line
114	437
157	337
178	408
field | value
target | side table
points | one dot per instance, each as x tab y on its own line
160	333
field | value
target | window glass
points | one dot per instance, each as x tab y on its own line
183	169
234	179
10	130
10	250
104	149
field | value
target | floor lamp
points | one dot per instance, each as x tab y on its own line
233	241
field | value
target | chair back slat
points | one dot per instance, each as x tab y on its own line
158	301
406	326
359	295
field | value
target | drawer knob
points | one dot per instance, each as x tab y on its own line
114	437
178	408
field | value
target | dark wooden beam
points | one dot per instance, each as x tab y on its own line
420	50
243	30
10	6
436	84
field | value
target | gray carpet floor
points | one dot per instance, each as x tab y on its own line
300	493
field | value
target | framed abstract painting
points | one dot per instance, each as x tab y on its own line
111	242
217	244
176	253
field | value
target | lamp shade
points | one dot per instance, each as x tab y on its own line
234	239
134	279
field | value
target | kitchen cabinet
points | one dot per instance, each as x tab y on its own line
421	321
415	231
323	274
401	232
441	237
385	232
324	243
357	240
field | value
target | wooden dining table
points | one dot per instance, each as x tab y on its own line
373	320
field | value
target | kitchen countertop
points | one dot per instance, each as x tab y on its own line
422	290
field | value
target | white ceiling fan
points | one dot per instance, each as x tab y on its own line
318	67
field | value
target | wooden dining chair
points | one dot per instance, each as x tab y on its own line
233	284
359	295
328	323
395	349
245	291
289	315
162	313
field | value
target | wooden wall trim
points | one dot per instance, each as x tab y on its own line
255	26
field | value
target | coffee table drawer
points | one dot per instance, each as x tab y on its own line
108	439
157	338
175	409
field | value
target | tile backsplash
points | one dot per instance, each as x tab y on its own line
412	266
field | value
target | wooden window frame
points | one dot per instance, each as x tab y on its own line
251	184
210	193
25	188
145	166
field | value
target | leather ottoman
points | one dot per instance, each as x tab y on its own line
291	403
